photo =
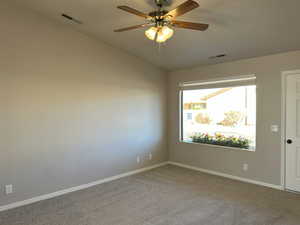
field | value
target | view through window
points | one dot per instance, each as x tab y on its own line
220	116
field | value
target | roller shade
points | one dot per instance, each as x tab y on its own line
219	83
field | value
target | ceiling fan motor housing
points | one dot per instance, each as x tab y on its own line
159	13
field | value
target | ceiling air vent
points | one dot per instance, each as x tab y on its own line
71	18
218	56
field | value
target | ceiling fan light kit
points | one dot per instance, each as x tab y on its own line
159	34
161	20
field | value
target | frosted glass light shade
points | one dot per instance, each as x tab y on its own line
151	32
167	32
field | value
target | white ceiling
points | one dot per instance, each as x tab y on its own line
238	28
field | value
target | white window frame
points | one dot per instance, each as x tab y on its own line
234	81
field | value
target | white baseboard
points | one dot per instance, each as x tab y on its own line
105	180
77	188
278	187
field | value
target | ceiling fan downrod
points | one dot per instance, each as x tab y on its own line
161	3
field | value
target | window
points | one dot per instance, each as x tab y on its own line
222	114
189	116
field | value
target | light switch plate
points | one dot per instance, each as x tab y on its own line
274	128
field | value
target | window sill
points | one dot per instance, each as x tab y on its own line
219	146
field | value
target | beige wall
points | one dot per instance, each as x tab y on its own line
265	163
72	110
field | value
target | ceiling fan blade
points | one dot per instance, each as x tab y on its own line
187	6
133	11
132	27
189	25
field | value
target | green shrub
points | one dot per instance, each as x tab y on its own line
203	118
218	139
231	118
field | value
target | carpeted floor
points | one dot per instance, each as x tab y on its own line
165	196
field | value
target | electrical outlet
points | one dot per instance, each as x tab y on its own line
8	189
245	167
138	159
150	156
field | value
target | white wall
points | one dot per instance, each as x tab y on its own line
73	110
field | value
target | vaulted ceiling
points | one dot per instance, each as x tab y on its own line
238	28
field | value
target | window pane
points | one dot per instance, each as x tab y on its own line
220	116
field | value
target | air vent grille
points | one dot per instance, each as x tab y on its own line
218	56
71	18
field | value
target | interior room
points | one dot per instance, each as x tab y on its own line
150	112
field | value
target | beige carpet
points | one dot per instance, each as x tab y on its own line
165	196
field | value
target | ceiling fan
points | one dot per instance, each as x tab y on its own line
162	21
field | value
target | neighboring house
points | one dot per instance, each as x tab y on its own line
210	118
216	104
192	108
232	99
